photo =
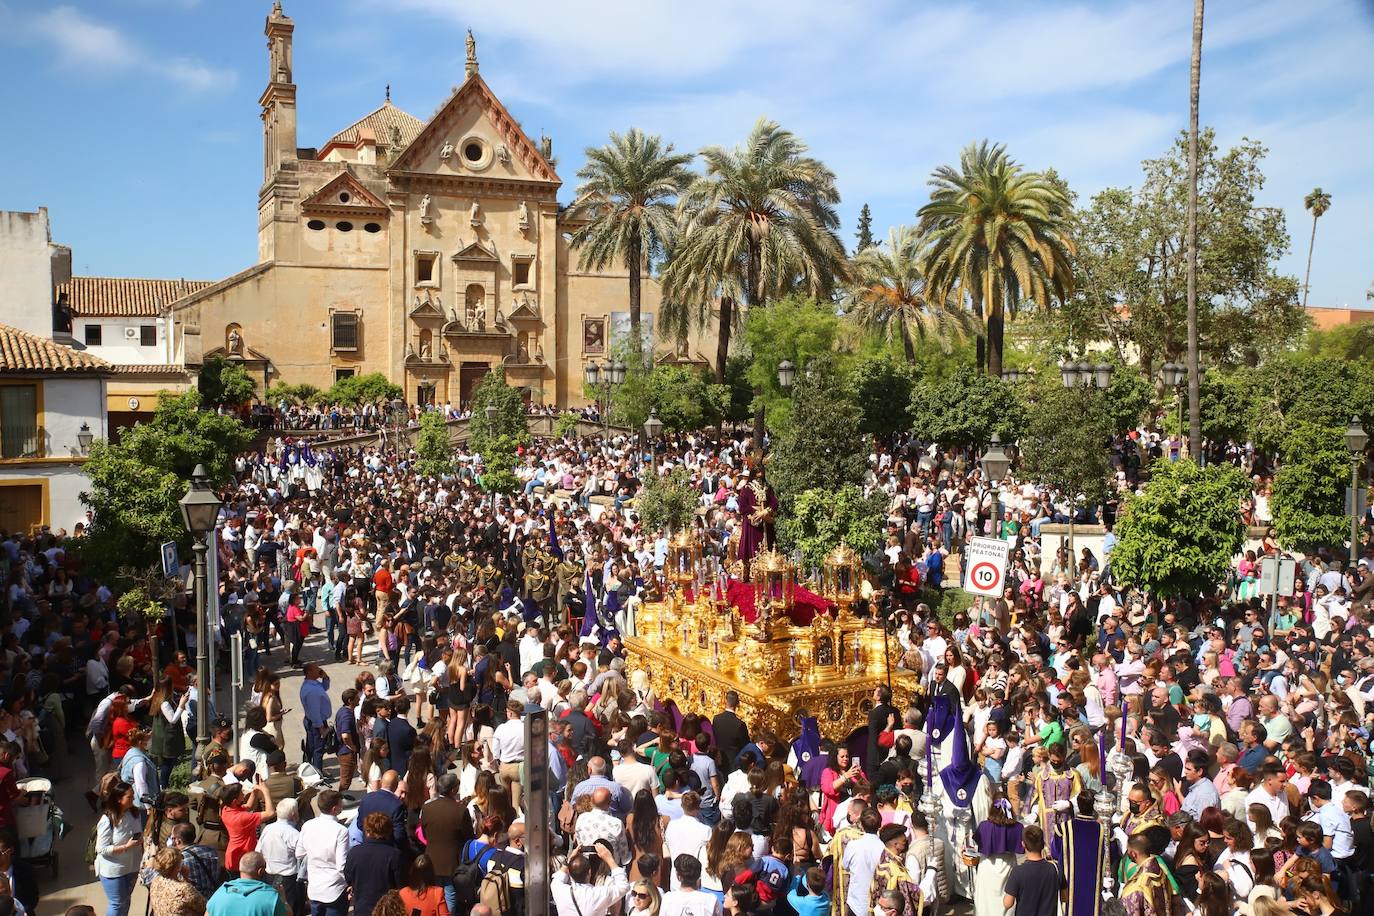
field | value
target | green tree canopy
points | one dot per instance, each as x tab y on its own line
1309	489
1128	398
881	386
509	419
667	502
967	408
1066	440
432	445
223	383
500	454
823	518
354	390
998	234
626	199
1179	536
822	447
137	483
795	329
304	393
1130	270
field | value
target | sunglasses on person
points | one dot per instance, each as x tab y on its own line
639	895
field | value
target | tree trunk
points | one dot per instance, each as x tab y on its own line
1194	368
727	319
754	281
1307	277
980	352
907	345
633	255
996	320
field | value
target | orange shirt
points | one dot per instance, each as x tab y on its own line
382	580
242	827
430	903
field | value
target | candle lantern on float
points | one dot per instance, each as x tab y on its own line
840	575
684	556
774	580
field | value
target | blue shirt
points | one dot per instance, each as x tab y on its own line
315	703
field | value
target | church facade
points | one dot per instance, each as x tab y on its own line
430	251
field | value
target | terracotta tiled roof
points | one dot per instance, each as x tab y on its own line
21	351
154	369
380	122
110	297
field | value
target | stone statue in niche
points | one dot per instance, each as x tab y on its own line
503	154
446	151
235	342
426	208
475	214
424	350
524	215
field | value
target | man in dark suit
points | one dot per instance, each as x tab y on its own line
400	736
730	731
879	718
444	822
385	801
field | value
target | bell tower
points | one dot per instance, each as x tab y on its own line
281	186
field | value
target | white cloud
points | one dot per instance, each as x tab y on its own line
82	44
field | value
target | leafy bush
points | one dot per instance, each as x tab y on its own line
509	420
432	446
823	518
565	427
1309	489
1178	537
372	388
224	384
966	408
667	502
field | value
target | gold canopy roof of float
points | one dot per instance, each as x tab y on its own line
695	650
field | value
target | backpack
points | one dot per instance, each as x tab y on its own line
468	877
495	890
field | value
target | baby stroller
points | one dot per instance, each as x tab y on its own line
39	823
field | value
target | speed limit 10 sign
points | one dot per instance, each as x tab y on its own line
985	569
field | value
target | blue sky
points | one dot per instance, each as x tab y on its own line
136	121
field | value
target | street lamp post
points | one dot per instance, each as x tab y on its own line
1174	375
652	427
607	379
1083	375
1355	440
995	464
199	512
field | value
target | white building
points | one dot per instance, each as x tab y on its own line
52	396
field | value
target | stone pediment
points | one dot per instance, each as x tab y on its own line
474	110
344	194
525	311
426	309
476	254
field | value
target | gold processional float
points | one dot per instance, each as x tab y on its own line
695	644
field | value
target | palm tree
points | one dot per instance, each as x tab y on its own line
760	222
1194	366
887	294
999	234
1318	202
626	198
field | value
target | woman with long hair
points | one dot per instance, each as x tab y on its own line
1164	790
355	623
118	845
1191	859
421	894
1213	895
644	830
272	705
419	784
375	763
169	728
842	776
715	853
122	722
461	692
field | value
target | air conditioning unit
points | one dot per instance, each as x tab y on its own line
131	333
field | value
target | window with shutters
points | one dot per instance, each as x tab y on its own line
346	331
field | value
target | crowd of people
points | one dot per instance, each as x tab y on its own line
1243	728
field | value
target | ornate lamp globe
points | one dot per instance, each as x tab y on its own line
774	578
684	553
840	574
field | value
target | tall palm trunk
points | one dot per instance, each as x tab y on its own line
996	328
754	280
727	320
1194	369
1307	278
907	345
633	255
